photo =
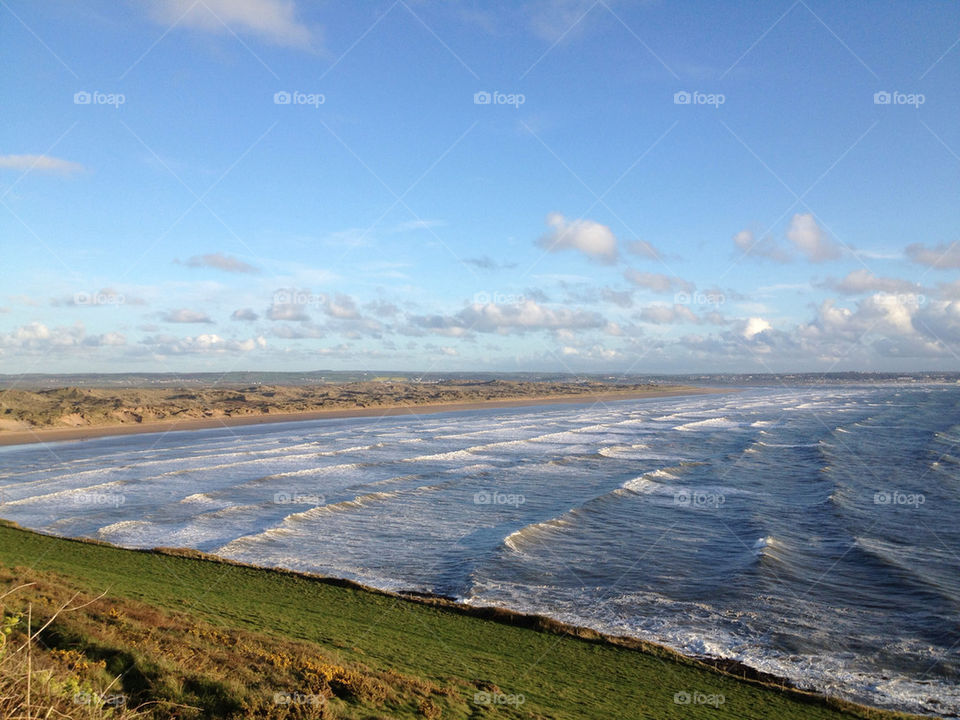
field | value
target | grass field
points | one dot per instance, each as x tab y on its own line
184	637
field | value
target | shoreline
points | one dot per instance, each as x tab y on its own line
91	432
505	616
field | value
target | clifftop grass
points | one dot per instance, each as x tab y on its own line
180	636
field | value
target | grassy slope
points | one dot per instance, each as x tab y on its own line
560	676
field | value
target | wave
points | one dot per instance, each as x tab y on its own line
514	540
466	454
787	445
617	451
65	494
321	470
124	526
917	564
650	482
708	424
770	548
198	498
356	503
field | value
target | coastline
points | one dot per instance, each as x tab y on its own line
494	615
90	432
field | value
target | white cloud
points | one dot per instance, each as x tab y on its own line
287	311
219	261
485	262
658	282
754	326
303	331
811	240
644	249
273	20
668	315
621	298
527	316
593	352
244	314
766	247
111	339
341	307
589	237
200	345
947	291
36	338
40	163
862	280
941	256
184	315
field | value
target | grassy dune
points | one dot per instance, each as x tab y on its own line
176	635
105	407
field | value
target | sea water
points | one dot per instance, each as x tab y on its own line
809	532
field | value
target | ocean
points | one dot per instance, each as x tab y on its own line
812	532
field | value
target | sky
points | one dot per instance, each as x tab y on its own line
427	185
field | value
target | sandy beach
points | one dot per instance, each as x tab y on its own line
89	432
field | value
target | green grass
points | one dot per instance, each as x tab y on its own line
436	657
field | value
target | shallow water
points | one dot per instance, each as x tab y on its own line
812	533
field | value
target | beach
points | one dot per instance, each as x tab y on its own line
392	402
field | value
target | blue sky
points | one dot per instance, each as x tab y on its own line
652	186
